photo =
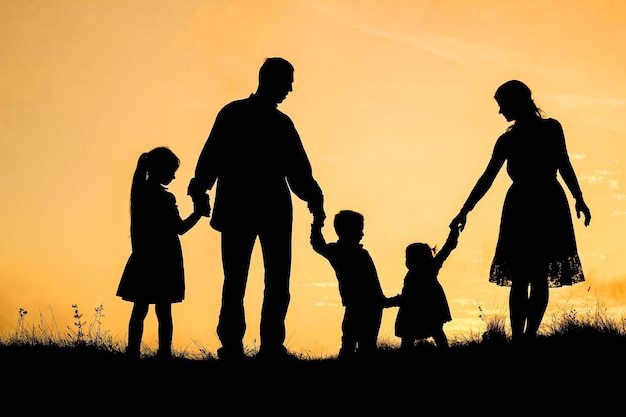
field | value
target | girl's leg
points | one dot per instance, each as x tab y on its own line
166	329
537	304
135	329
518	308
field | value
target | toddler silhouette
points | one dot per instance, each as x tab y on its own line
423	304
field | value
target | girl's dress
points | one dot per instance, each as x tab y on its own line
154	271
536	223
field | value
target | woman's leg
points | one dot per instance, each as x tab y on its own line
407	344
518	308
440	339
166	329
537	304
135	329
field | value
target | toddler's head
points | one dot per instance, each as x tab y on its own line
419	255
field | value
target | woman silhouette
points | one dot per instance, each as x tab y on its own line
536	247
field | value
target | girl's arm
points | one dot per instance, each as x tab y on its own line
186	224
201	208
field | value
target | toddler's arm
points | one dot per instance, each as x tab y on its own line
448	247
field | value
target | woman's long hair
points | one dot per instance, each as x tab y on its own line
515	94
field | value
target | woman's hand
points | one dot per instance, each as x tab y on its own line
459	221
581	207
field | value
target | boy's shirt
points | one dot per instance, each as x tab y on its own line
355	270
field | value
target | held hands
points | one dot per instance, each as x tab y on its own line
201	204
581	207
318	214
455	232
195	189
458	223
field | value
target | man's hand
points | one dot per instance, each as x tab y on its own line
201	204
194	188
458	223
317	210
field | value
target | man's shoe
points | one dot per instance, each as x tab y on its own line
275	353
230	354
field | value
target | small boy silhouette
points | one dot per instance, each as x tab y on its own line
423	305
359	286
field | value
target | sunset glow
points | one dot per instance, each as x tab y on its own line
393	101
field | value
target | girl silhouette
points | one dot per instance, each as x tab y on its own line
536	247
154	272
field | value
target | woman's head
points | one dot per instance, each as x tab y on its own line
515	101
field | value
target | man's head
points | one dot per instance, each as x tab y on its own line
275	79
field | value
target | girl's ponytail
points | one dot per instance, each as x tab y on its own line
139	177
141	172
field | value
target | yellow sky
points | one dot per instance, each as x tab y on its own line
393	101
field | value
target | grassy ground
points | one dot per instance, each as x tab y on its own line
577	366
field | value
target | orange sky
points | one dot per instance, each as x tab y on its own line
393	101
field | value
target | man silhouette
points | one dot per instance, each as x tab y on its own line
255	157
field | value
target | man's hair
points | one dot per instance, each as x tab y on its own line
275	68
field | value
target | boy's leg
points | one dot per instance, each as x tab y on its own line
369	327
349	332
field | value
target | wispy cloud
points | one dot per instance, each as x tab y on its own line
604	177
448	47
577	101
321	284
325	304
